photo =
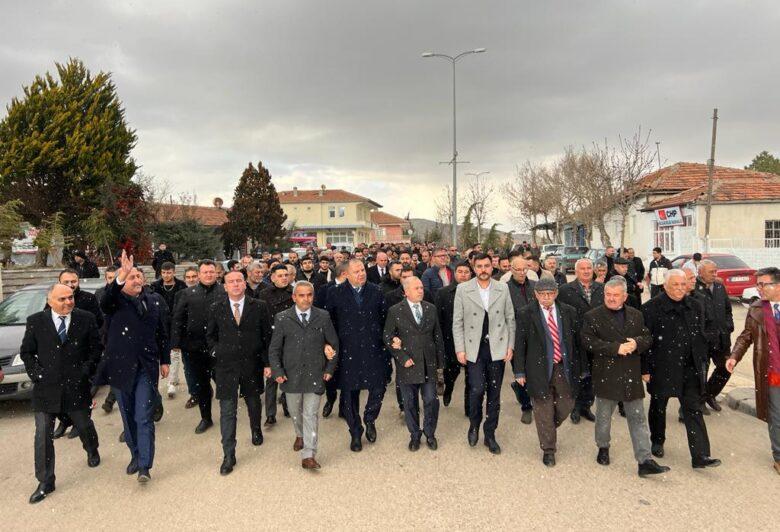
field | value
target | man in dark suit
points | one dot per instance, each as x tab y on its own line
325	270
548	362
584	294
677	363
620	269
85	268
137	350
717	299
161	256
376	273
616	336
239	331
445	307
188	335
398	295
302	359
521	290
413	336
60	350
358	311
392	281
307	272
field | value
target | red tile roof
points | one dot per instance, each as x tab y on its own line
208	216
683	176
383	218
319	196
762	187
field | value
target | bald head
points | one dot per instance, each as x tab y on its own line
413	289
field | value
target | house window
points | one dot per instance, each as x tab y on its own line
688	220
331	212
380	234
663	237
772	233
342	212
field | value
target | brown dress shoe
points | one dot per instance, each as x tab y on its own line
310	463
298	445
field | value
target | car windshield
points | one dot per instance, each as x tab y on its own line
729	262
573	251
15	309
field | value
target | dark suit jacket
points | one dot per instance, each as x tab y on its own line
616	377
445	307
297	352
533	357
718	300
372	274
422	343
516	293
61	371
241	351
191	317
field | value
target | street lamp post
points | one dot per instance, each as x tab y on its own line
454	160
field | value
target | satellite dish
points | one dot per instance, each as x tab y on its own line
218	203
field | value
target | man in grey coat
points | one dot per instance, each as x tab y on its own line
413	336
303	358
483	331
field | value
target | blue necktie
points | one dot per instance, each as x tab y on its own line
61	330
358	297
777	311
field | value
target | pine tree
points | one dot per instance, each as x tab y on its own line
493	240
468	233
256	213
509	242
765	162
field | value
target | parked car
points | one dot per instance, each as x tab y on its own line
13	318
569	256
736	275
595	254
749	295
549	249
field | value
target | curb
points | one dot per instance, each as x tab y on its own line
743	400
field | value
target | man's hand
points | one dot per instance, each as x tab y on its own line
624	349
731	363
281	379
164	370
409	363
267	373
396	343
646	377
461	357
509	353
126	266
632	343
329	352
326	377
520	381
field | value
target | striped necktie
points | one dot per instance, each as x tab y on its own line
61	331
556	340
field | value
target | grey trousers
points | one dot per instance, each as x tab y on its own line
44	442
304	411
774	421
637	426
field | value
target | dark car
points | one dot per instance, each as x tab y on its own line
736	275
568	257
13	316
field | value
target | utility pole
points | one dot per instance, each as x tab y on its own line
710	172
658	152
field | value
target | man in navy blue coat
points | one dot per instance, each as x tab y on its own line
137	350
357	309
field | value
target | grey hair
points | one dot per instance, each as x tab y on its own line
408	280
582	260
601	263
252	266
546	284
706	262
340	268
55	285
304	284
553	257
674	272
617	282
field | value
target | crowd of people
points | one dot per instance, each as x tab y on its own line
292	328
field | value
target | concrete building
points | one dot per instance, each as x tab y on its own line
390	229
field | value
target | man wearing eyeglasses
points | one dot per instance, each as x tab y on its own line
60	350
439	274
762	330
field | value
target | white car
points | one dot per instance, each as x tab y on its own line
550	249
749	295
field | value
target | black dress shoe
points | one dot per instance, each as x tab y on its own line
370	431
575	416
144	476
59	432
257	437
621	409
548	459
414	444
327	409
122	437
473	436
284	407
158	412
73	433
270	420
447	397
587	414
651	467
40	493
603	456
492	445
227	465
713	404
107	407
657	450
356	445
527	417
132	467
203	426
93	458
432	443
701	463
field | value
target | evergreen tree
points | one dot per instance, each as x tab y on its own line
189	238
468	233
434	235
765	162
256	213
509	242
493	240
61	142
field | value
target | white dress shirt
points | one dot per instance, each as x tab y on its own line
302	312
546	315
240	306
484	293
417	305
56	318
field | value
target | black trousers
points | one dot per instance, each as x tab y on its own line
451	373
485	376
44	443
412	394
331	391
350	407
585	395
228	409
202	369
720	375
690	401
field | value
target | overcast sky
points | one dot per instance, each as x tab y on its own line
335	92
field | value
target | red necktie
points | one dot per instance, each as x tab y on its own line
556	341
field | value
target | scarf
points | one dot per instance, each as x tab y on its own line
773	342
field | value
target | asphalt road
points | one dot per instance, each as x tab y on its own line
386	486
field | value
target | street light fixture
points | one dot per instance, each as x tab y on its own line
454	161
